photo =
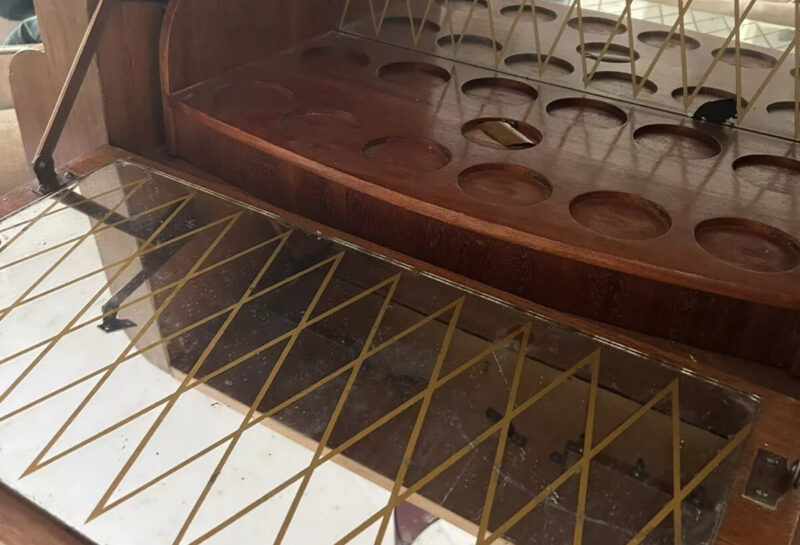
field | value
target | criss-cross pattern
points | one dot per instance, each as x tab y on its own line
502	31
201	242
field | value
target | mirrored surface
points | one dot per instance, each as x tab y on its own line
178	368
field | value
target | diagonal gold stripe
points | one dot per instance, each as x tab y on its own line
180	332
144	297
77	242
323	442
588	440
601	55
469	447
206	378
88	304
560	33
195	368
366	431
343	18
513	27
683	8
632	49
718	56
770	75
677	513
537	42
465	27
587	456
581	38
122	261
737	22
136	338
411	446
60	195
504	430
383	15
260	396
297	397
56	199
493	34
425	14
99	228
675	503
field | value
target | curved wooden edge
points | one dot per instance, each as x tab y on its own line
630	266
29	69
201	39
164	74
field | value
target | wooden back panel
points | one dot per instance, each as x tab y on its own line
204	38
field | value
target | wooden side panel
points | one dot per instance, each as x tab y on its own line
204	38
128	61
119	101
62	25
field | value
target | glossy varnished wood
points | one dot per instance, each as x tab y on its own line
113	105
658	280
21	523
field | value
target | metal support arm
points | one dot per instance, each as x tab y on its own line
44	164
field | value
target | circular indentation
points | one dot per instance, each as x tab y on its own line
472	41
705	94
748	244
504	184
749	58
588	112
251	96
542	14
677	140
619	83
500	90
598	25
782	115
620	215
414	74
770	172
528	64
501	133
323	128
781	106
334	55
466	3
655	38
614	53
407	154
403	23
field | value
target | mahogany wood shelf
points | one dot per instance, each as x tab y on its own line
624	213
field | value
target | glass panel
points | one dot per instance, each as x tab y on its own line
178	368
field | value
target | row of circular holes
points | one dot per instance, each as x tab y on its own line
618	54
653	38
612	113
755	246
787	246
529	94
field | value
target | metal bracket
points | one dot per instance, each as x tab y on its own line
771	478
48	179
